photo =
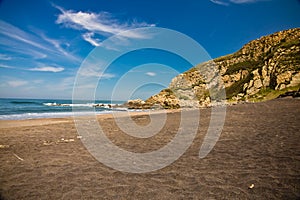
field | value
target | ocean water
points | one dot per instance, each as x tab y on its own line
18	109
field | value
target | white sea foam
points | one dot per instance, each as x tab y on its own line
49	115
80	105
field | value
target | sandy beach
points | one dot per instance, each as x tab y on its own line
256	157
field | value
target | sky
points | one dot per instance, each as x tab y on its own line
45	44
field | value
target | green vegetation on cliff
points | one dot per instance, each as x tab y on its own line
261	70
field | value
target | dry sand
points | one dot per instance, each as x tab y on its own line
256	157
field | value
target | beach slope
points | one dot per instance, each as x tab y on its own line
256	157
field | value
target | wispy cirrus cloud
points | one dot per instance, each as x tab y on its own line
47	69
228	2
93	70
102	24
150	73
245	1
37	46
38	69
17	83
220	2
5	57
22	51
14	33
55	43
6	66
89	38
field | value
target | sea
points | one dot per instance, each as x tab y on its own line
20	109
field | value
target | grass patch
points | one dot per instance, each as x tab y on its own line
168	91
268	93
199	82
182	97
202	95
290	43
223	58
285	45
237	87
245	65
193	69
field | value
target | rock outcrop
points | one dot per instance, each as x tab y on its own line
262	69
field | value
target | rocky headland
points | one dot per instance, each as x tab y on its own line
263	69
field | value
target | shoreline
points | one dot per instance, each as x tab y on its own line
255	157
68	119
102	116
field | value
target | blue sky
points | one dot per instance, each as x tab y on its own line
43	43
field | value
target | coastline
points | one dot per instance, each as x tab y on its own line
56	120
256	156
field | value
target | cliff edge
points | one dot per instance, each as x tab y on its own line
262	69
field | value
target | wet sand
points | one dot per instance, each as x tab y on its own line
256	157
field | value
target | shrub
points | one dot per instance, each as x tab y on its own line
245	65
237	87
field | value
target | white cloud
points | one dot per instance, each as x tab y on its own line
65	85
94	71
41	69
101	23
58	45
7	66
89	38
17	83
220	2
22	50
151	74
38	81
228	2
93	68
38	46
5	57
47	69
107	75
244	1
15	33
62	87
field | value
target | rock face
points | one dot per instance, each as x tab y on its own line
262	69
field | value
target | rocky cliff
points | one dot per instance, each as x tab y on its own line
262	69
